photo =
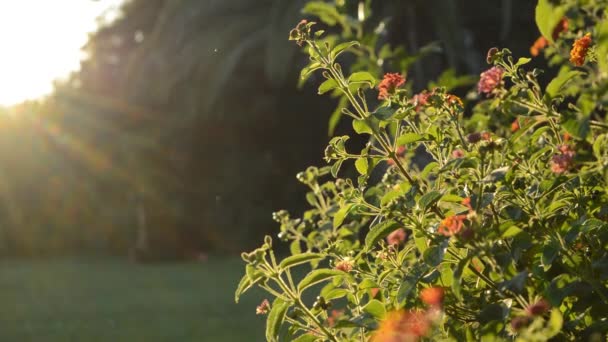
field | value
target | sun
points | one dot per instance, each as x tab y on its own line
40	42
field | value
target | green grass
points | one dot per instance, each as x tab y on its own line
113	300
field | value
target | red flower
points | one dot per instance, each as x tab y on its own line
580	49
538	308
451	225
263	308
389	84
397	237
562	26
432	296
490	80
563	161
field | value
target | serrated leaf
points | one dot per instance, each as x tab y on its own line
380	231
360	126
433	256
547	17
556	84
341	215
361	165
429	199
362	77
328	85
409	282
276	318
317	276
299	259
375	308
383	113
335	52
409	138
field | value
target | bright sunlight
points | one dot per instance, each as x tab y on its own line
41	41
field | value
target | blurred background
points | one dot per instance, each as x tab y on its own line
135	133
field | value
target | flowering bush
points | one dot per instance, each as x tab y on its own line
502	235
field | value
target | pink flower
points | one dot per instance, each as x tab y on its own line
263	308
457	154
389	84
344	265
397	237
563	161
490	80
538	308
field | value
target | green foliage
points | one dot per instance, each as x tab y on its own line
502	235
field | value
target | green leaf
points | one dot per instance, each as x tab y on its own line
556	84
511	232
362	165
335	52
362	77
275	319
457	282
299	259
555	323
375	308
328	85
602	45
522	61
409	282
316	277
384	113
295	248
380	231
579	128
547	17
360	126
550	252
429	199
341	214
409	138
336	167
433	256
305	338
244	285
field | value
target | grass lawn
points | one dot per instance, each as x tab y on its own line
113	300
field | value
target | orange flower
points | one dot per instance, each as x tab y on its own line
334	316
402	326
451	225
467	202
580	49
542	42
515	126
374	292
389	84
432	296
538	45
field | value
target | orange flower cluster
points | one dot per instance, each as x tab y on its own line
402	326
451	225
542	42
432	296
389	84
580	49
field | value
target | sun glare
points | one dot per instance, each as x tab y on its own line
40	42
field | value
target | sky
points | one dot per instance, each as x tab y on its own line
40	41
